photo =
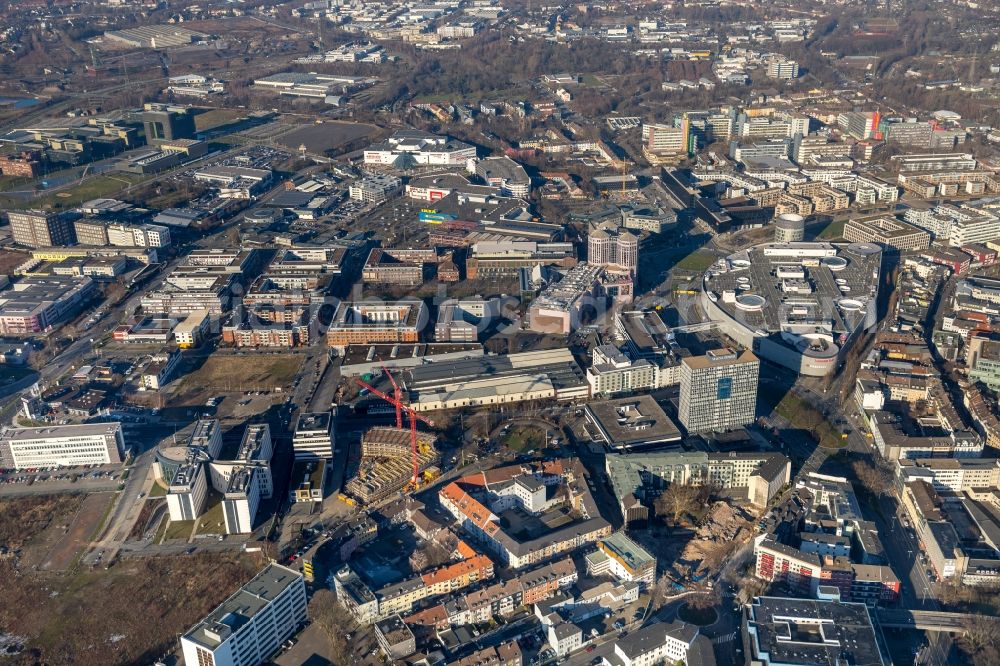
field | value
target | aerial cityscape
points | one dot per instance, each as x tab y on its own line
499	333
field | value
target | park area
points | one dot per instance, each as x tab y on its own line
523	438
696	262
805	417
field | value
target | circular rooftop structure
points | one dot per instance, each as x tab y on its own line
168	459
817	345
262	216
864	249
789	228
837	264
740	263
850	304
750	302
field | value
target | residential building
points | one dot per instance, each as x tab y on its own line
637	479
624	559
664	643
249	627
783	69
395	638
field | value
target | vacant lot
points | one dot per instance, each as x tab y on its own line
321	138
129	614
216	117
88	520
10	259
242	373
25	520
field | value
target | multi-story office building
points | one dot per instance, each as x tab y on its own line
915	134
91	232
659	141
165	122
954	475
313	435
241	500
188	490
39	303
250	626
375	189
364	323
859	124
800	632
62	446
783	69
718	390
612	246
886	231
41	228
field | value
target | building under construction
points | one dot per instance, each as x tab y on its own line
386	462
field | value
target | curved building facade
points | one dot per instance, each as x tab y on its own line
796	304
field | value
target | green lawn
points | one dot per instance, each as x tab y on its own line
178	529
212	520
158	490
523	439
696	262
92	188
833	231
215	118
806	417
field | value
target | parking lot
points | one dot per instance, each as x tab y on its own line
45	480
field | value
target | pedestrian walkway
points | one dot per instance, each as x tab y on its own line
725	638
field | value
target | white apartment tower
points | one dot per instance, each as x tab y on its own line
251	625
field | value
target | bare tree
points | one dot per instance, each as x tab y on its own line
874	475
982	640
705	600
335	623
676	500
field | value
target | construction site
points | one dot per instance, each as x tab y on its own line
394	458
387	463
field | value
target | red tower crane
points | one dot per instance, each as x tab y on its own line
410	413
397	395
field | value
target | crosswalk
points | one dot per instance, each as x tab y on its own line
725	638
